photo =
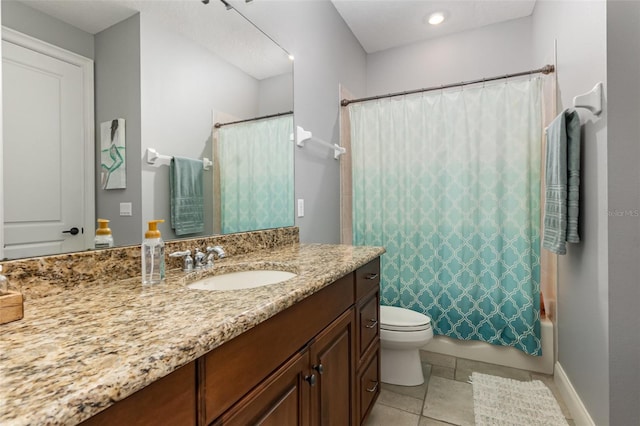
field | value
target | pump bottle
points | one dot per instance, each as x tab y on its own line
153	255
103	239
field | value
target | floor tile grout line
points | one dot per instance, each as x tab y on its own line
529	377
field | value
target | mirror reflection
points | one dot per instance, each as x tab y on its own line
165	72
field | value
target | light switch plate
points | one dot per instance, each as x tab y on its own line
126	209
300	207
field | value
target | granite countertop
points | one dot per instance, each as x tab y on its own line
76	353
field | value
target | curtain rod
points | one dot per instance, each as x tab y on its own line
547	69
218	125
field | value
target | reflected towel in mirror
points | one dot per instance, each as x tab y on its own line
187	200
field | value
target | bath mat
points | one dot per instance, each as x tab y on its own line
500	401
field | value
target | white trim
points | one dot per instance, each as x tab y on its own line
500	355
86	65
571	398
1	167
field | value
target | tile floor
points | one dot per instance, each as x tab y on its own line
446	397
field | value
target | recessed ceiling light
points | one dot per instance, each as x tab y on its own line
436	18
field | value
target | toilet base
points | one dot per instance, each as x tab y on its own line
401	367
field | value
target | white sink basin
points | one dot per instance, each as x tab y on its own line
241	280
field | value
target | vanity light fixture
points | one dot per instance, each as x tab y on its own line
436	18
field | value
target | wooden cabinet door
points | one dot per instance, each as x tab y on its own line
170	401
281	400
333	363
231	370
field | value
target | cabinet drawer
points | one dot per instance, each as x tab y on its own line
368	325
368	386
367	278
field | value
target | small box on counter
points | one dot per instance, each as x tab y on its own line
10	307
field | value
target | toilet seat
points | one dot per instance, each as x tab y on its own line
393	318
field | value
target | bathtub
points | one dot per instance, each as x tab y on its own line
502	355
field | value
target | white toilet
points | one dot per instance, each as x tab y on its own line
402	333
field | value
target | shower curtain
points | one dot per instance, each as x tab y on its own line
449	184
256	175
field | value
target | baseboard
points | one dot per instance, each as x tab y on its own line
578	411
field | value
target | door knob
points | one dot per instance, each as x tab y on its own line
319	368
72	231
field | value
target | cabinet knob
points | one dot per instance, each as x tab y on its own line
311	379
371	276
374	388
319	368
373	323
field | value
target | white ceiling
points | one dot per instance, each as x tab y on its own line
383	24
223	32
377	24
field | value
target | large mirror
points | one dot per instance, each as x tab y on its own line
160	74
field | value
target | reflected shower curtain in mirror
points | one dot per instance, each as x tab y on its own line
256	175
449	184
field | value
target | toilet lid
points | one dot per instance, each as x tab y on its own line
400	319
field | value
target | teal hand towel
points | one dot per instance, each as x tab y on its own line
187	201
562	180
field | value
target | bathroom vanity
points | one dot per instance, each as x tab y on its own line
305	351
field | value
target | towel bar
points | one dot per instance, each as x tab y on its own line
155	159
591	100
301	136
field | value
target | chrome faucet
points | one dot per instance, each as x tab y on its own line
213	251
188	260
199	259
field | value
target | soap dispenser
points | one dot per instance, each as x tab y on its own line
152	255
103	239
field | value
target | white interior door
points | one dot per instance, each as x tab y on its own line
44	138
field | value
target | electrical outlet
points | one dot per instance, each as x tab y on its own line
300	207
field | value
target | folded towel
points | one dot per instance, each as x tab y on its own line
187	201
562	179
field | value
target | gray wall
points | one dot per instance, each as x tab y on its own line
580	31
41	26
275	94
117	95
623	149
182	84
326	55
488	51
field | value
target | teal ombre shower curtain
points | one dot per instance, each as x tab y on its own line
449	184
256	174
